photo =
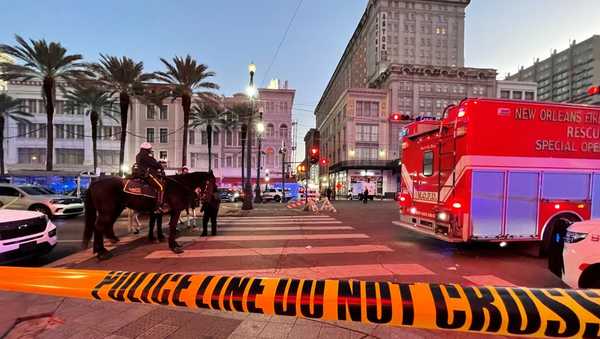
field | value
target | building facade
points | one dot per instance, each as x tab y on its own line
405	57
25	144
516	90
566	75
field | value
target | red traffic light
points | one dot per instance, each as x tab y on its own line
323	161
594	90
314	151
396	117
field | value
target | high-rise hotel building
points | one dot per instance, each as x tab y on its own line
404	57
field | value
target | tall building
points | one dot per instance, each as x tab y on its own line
404	57
566	75
25	144
4	58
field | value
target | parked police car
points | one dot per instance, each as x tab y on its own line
24	234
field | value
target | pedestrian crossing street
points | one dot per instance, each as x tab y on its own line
337	251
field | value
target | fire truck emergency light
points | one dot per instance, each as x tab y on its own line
457	205
594	90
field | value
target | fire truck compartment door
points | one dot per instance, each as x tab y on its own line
522	204
596	197
486	204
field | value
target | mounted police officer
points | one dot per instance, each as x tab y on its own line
152	171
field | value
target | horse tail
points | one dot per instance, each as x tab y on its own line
90	219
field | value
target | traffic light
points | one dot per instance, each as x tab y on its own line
323	162
594	90
314	155
398	117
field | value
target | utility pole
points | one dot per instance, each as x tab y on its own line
283	151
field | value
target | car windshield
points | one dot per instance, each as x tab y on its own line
34	190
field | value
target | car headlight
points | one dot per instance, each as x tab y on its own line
236	195
573	237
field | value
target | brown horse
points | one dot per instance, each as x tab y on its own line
105	200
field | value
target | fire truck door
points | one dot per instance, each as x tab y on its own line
486	204
522	204
596	197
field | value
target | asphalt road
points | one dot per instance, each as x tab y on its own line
360	241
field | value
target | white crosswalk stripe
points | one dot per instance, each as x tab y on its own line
311	235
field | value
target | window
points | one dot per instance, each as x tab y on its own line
42	130
204	137
366	153
22	129
150	112
270	131
215	139
164	135
32	155
69	156
428	163
228	162
192	137
163	155
79	131
270	157
283	131
164	112
9	192
149	134
367	133
367	108
229	138
59	131
529	96
505	94
518	95
108	157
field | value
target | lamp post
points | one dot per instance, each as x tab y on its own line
283	151
260	128
251	92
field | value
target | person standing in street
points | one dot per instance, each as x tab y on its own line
365	195
210	206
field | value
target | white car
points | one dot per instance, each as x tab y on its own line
275	194
24	234
581	255
40	199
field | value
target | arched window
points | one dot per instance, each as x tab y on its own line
270	157
270	131
283	131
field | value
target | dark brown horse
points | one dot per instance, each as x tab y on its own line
105	200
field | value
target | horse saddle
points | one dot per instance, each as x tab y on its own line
137	186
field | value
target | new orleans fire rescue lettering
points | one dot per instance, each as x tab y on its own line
500	310
584	138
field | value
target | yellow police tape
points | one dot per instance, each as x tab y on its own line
491	310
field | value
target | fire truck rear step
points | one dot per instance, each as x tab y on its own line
426	231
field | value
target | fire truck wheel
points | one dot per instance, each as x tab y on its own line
555	230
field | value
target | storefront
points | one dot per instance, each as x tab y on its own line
380	178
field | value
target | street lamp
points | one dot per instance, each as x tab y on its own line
251	91
283	151
260	128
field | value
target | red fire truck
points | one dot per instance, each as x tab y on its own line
501	170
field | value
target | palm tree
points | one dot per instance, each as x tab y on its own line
186	77
9	108
96	101
244	113
124	77
209	115
45	62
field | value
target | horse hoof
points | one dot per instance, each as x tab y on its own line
105	255
177	250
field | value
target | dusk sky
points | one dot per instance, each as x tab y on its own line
228	34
